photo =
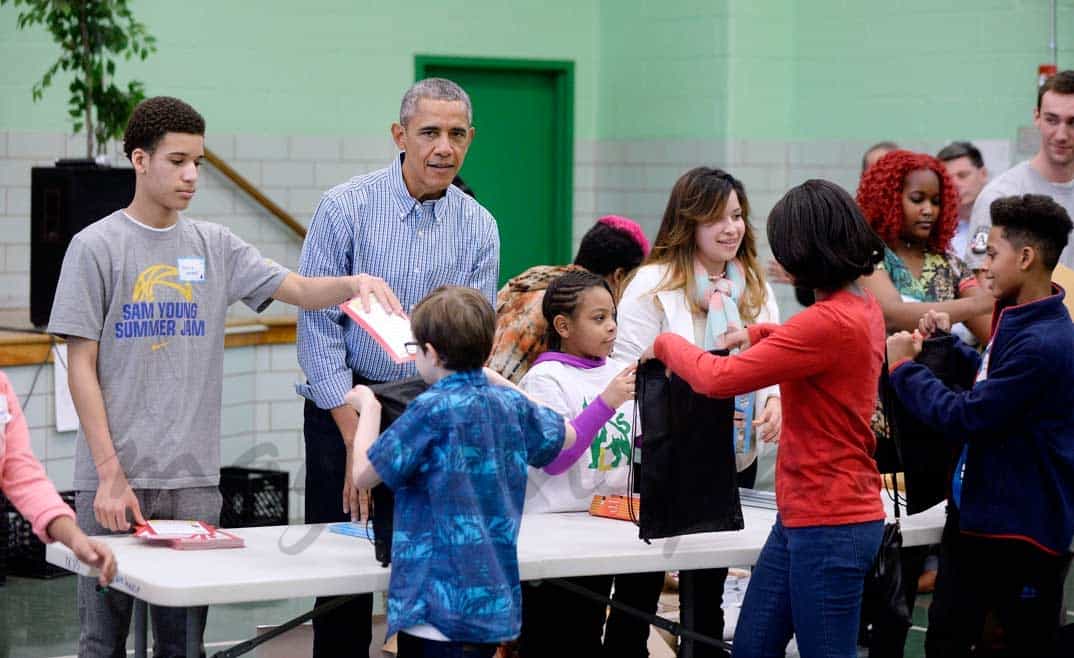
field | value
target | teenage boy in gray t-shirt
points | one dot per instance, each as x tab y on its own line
1050	172
141	300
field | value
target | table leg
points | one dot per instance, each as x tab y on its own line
141	628
193	633
243	648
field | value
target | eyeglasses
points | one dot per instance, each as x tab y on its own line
412	347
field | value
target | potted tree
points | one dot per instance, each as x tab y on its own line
91	35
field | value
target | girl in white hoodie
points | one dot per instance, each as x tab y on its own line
576	378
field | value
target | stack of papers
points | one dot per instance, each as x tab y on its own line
187	535
391	332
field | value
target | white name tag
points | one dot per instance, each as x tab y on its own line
192	269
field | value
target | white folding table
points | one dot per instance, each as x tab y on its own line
281	562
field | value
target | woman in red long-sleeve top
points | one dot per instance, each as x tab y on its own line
809	578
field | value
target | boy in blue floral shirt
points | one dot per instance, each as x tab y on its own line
456	461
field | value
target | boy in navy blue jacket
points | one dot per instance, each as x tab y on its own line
1007	542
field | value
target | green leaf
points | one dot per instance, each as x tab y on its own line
113	30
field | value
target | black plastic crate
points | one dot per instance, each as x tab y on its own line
25	554
253	497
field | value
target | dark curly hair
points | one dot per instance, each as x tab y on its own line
1034	219
880	197
154	117
613	242
562	298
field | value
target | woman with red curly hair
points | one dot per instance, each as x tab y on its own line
912	204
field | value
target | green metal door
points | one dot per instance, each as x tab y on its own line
519	165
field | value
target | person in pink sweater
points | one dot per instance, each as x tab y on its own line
810	575
23	481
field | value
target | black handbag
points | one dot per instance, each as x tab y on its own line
394	398
883	600
688	479
884	603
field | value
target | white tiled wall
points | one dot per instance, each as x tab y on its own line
292	171
261	419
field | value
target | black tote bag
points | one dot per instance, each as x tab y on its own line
687	474
394	398
926	456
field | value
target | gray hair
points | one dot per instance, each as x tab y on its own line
438	89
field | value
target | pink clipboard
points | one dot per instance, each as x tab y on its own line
196	536
391	332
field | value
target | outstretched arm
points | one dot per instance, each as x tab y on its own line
904	316
364	401
804	346
1011	386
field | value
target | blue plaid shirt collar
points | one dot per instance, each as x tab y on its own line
405	203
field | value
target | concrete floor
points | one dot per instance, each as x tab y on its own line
38	619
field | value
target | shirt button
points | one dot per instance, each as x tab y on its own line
421	233
417	270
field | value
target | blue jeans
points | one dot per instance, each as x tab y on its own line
808	582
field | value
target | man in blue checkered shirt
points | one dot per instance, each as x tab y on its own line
405	230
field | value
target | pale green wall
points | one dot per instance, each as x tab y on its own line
645	69
919	69
663	69
823	69
761	69
324	67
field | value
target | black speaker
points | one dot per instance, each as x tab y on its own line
64	200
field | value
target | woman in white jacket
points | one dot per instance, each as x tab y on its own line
702	279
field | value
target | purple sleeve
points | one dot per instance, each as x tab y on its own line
586	425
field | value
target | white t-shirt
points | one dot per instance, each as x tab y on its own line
1019	179
605	467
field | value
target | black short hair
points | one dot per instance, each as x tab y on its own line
154	117
604	249
1060	83
819	235
886	145
461	184
459	322
562	297
956	150
1036	220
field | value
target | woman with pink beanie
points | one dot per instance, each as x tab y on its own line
612	248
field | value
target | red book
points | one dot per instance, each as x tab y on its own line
187	535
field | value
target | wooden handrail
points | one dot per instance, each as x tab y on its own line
248	187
